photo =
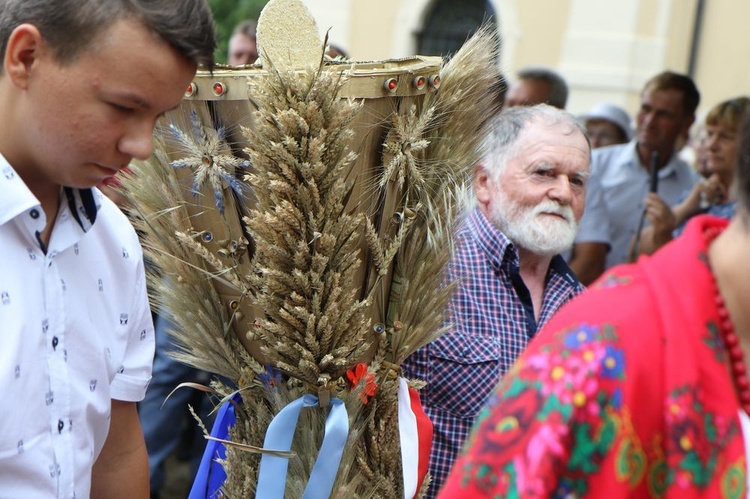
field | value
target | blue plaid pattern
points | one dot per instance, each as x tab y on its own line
492	321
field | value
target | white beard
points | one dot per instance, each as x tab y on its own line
532	231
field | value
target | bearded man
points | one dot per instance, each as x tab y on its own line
530	193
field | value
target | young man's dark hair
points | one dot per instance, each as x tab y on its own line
186	25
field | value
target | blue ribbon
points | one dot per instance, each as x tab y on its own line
272	473
210	476
273	469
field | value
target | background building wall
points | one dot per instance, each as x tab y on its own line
605	49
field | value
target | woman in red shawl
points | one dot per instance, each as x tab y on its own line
638	388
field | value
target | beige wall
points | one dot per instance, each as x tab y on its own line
723	69
540	36
375	19
606	49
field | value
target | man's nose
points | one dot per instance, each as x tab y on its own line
137	141
561	190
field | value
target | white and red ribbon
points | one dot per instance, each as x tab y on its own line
415	433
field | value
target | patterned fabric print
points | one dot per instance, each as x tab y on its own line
611	280
695	441
642	406
550	388
713	340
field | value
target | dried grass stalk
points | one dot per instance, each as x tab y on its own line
313	323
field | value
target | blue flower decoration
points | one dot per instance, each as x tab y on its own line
582	335
210	159
613	363
271	379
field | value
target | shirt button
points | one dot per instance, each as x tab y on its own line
60	425
34	213
54	343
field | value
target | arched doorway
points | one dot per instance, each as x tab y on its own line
449	23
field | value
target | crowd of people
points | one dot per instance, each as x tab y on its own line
634	387
637	386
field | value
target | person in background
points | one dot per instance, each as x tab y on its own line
607	125
638	388
243	47
530	191
715	194
537	85
694	150
335	51
499	90
82	84
621	173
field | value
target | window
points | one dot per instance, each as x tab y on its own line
449	23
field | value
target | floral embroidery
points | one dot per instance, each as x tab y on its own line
562	423
695	440
733	481
714	342
552	385
612	281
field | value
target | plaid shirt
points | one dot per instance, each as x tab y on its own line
492	320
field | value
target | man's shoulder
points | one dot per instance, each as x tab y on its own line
112	231
111	218
610	155
684	170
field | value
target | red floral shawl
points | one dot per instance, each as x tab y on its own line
625	393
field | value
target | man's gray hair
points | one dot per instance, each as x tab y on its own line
501	143
70	26
558	95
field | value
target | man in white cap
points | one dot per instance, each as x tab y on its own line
607	125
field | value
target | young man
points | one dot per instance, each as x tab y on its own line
82	85
530	194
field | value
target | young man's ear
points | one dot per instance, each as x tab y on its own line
25	46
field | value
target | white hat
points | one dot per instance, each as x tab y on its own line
610	112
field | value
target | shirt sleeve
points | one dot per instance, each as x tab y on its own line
133	377
594	224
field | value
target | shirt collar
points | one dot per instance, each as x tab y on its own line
16	198
83	206
559	266
669	169
491	240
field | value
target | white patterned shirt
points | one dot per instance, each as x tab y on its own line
75	333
